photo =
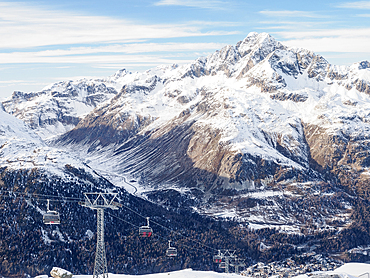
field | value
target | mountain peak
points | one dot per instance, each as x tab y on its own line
243	119
120	73
259	39
256	43
252	34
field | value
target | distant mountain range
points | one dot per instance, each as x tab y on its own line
259	133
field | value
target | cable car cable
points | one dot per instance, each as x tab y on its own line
122	220
178	242
73	199
27	194
36	194
168	228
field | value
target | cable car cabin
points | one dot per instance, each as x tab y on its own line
171	252
51	217
217	259
145	231
222	265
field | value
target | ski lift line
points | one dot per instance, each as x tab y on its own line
152	221
2	192
62	199
65	199
122	220
55	200
31	197
130	209
36	194
175	232
162	237
39	199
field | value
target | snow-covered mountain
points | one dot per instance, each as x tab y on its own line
32	173
241	119
249	122
59	107
270	136
22	148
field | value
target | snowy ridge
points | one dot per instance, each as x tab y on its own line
231	74
59	107
252	103
22	148
241	119
163	93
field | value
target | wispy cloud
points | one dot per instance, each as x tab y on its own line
347	33
125	53
363	15
330	40
281	24
355	5
128	65
23	26
130	49
11	81
7	83
67	78
26	58
203	4
292	14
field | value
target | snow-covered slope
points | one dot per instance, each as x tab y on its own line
354	269
22	149
348	270
175	274
260	112
60	106
251	117
260	133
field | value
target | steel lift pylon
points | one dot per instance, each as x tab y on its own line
99	202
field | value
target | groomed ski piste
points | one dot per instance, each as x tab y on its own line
348	270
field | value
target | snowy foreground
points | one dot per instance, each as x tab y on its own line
354	269
186	273
348	270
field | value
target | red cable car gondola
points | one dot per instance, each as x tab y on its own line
217	258
146	231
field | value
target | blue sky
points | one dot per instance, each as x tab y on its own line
42	42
